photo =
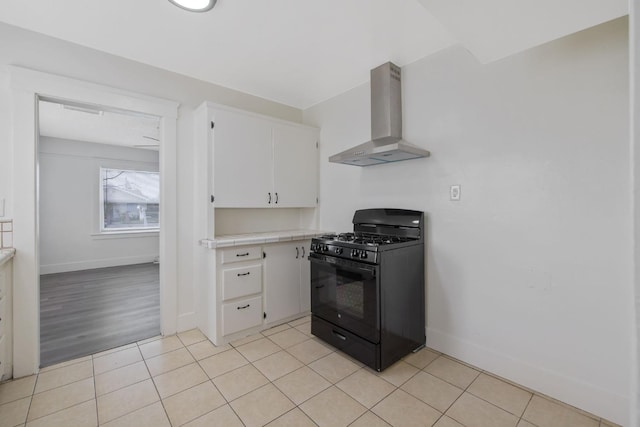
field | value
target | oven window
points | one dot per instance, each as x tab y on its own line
347	296
350	297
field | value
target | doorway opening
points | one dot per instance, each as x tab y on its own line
99	222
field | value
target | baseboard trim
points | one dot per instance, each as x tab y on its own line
575	392
96	263
187	321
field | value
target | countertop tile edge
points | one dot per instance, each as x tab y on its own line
6	255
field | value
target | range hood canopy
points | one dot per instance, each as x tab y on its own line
386	143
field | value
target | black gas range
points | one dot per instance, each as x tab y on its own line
368	287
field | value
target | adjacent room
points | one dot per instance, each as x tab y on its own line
99	188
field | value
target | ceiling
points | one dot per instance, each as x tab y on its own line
92	124
300	52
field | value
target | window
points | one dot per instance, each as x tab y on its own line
130	200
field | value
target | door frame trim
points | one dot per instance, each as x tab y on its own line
26	87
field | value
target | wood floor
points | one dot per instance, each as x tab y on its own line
85	312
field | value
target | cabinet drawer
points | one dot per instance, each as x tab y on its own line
241	315
241	254
241	281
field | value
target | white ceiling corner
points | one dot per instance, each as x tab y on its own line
104	127
494	29
297	52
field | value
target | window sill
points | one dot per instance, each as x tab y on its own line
125	234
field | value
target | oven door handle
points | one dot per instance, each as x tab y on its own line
345	264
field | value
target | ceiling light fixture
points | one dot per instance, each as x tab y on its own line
195	5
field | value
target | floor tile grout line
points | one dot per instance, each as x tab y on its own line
309	398
271	382
115	350
543	396
525	410
19	398
26	417
228	403
156	388
466	390
567	406
95	390
59	410
365	413
458	398
76	360
59	386
380	400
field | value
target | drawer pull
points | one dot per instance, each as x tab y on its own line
243	307
244	274
319	286
342	337
244	254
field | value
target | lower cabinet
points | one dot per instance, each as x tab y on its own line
255	287
6	351
242	314
286	289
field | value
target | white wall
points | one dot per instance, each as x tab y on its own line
529	275
70	237
634	69
33	50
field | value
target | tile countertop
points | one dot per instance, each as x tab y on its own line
260	238
6	255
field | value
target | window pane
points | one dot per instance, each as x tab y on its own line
131	199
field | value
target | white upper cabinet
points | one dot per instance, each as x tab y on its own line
260	162
295	166
242	160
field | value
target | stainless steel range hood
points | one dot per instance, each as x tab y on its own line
386	143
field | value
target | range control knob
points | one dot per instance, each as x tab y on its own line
355	252
325	248
363	254
338	251
313	246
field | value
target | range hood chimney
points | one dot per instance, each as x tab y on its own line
386	143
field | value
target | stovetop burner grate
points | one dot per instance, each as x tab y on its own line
369	238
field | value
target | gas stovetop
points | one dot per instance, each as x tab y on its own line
366	239
374	231
364	247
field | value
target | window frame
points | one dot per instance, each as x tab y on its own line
102	230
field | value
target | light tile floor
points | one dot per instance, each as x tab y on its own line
281	377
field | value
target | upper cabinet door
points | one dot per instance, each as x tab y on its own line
242	160
295	170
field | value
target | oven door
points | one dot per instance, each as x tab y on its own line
346	293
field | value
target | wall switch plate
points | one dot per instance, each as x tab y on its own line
454	192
